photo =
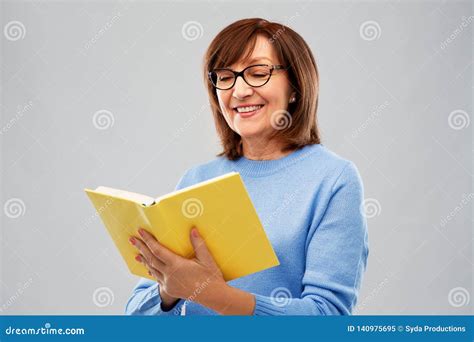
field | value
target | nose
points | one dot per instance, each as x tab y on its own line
241	89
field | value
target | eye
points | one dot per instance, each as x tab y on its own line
259	74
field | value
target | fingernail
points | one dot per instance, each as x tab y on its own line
138	258
195	232
132	240
140	231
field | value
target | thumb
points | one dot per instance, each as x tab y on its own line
200	248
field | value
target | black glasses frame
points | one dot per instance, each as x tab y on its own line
241	73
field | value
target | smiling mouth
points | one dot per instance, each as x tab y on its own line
248	109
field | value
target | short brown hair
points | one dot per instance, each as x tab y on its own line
230	45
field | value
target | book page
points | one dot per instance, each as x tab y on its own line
132	196
197	185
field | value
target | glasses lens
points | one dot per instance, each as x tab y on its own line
257	75
222	79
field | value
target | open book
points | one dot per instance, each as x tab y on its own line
220	208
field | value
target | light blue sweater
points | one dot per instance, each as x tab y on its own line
310	203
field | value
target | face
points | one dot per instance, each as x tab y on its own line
272	97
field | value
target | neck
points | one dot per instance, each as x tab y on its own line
260	149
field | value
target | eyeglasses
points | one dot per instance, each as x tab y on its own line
254	75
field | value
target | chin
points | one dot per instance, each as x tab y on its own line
250	133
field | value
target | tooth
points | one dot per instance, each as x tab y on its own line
248	109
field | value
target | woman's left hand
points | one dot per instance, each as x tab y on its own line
177	276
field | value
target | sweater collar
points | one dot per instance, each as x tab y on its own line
265	167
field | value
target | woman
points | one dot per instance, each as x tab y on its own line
262	82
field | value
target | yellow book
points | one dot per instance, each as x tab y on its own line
220	208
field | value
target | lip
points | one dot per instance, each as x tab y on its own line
248	105
248	114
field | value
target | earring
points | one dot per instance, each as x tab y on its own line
292	99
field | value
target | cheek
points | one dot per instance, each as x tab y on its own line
275	100
278	93
223	100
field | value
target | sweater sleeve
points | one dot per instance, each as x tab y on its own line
145	298
336	256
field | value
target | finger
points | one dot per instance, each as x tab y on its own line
200	248
163	253
156	277
154	272
151	270
148	256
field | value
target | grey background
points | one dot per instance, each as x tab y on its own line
390	104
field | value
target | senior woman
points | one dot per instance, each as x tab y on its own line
263	87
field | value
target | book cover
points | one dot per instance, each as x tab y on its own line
220	208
